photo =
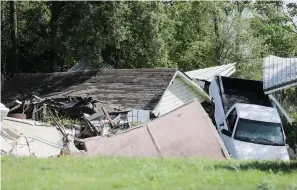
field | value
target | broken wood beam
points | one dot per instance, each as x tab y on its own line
38	98
15	107
88	123
108	117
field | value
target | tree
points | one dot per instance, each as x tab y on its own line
274	22
192	46
52	36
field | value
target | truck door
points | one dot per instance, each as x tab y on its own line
227	132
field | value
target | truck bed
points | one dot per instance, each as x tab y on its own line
235	90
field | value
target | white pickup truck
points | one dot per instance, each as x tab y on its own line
246	119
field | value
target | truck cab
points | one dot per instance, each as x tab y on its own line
246	120
253	132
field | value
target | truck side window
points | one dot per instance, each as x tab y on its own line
231	119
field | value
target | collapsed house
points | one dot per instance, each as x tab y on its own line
156	90
105	100
184	132
102	100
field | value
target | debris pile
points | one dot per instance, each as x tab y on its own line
21	137
4	111
104	123
178	111
83	119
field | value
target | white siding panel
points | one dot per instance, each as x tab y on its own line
175	96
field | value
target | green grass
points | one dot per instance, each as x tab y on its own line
143	173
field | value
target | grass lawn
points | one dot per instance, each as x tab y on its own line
143	173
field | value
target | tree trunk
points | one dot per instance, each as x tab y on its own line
217	45
3	46
14	32
56	7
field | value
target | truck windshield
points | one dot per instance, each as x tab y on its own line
259	132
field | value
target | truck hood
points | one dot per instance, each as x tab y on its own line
246	151
257	113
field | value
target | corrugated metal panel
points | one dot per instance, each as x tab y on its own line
279	73
175	96
208	73
81	66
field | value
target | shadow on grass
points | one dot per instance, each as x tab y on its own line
265	166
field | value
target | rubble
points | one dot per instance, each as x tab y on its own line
93	122
55	124
4	111
24	138
30	138
186	131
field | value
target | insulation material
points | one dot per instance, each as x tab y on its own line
27	137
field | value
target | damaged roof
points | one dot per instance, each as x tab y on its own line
130	88
279	73
184	132
207	74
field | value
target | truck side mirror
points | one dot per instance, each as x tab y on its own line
226	132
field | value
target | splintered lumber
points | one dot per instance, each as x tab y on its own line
108	117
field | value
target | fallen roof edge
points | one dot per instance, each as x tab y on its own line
188	80
194	85
280	87
185	104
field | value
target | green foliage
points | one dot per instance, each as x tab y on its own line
193	46
276	23
250	69
53	35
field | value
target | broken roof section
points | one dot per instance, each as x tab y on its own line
82	66
279	73
119	88
207	74
27	137
184	132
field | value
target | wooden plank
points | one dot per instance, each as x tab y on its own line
108	117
